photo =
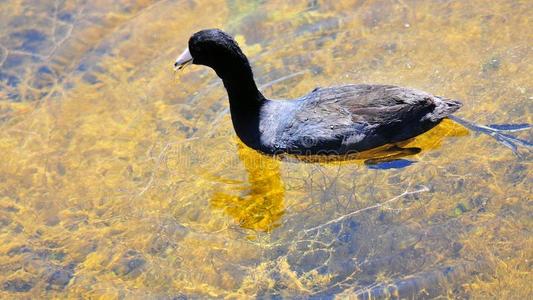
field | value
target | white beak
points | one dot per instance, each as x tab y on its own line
183	60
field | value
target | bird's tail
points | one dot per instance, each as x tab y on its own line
443	108
451	105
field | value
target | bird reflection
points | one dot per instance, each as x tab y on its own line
259	203
261	206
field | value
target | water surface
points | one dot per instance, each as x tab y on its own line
122	179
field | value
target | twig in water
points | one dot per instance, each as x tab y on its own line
271	83
405	193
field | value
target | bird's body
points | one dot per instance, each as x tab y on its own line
348	118
334	120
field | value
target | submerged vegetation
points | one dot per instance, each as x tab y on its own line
119	178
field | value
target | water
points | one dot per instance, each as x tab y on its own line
122	179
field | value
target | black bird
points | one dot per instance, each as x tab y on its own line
333	120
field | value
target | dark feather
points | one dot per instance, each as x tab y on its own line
352	118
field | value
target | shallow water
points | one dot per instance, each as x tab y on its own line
120	178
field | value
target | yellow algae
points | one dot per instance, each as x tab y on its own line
250	49
122	179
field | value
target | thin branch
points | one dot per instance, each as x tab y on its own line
271	83
341	218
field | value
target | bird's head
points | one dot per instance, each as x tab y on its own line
213	48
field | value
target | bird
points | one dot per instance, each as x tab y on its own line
333	120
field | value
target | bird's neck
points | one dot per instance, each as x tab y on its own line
240	85
243	92
245	103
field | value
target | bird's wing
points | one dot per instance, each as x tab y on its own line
376	104
359	117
